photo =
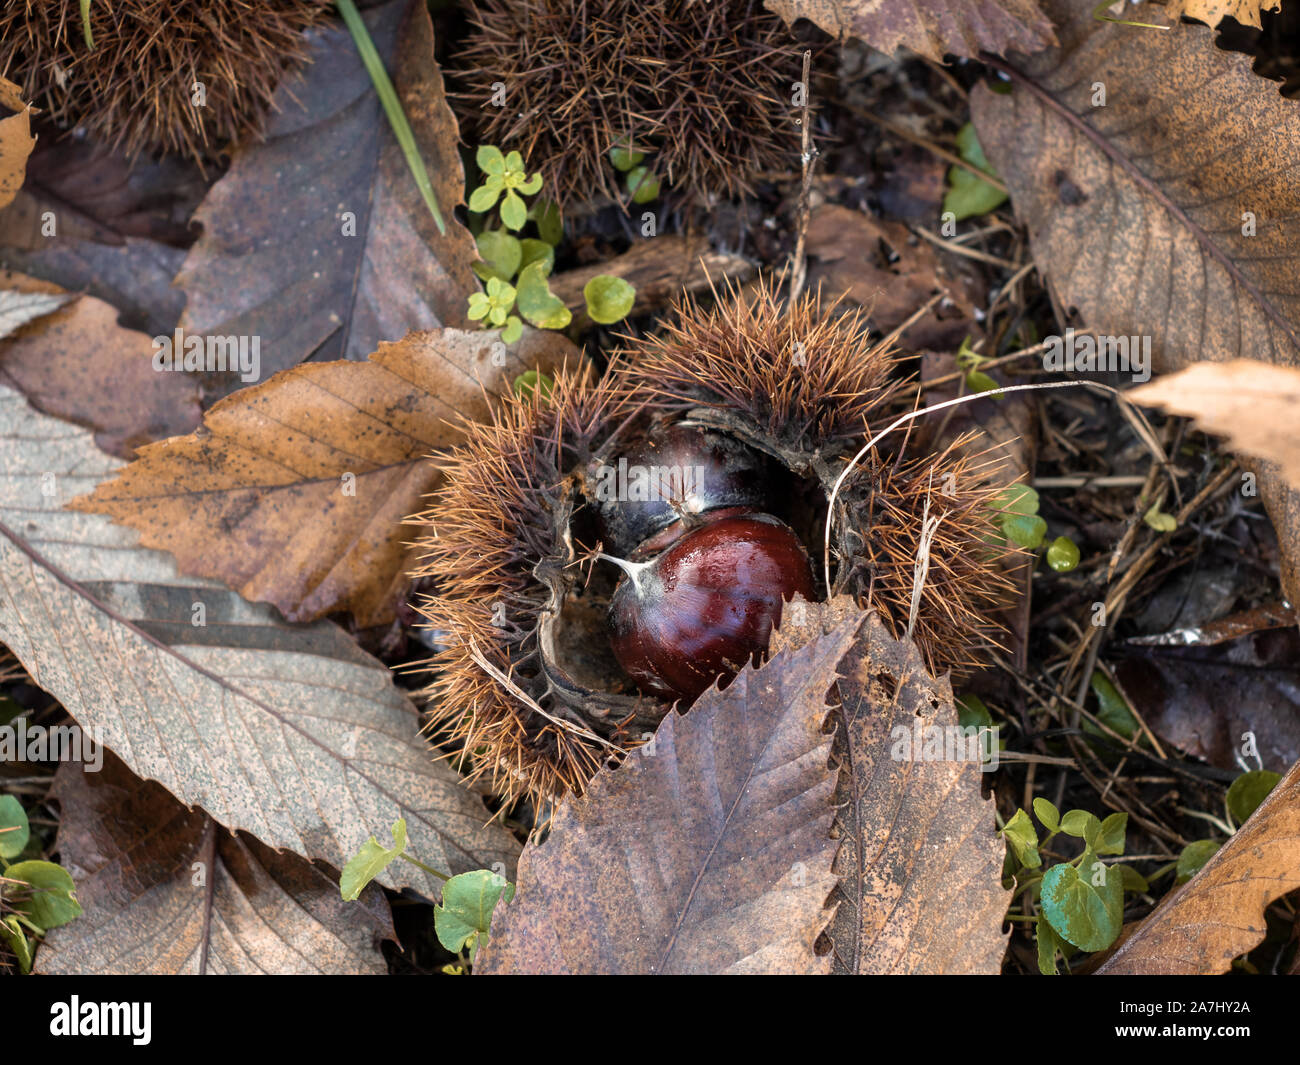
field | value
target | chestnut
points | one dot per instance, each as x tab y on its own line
665	479
705	605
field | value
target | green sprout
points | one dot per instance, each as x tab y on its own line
503	174
495	306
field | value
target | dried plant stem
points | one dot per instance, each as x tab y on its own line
808	159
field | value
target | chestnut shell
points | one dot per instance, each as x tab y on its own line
707	604
691	471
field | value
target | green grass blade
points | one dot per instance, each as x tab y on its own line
392	106
85	24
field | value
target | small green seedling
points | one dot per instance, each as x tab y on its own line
969	195
37	895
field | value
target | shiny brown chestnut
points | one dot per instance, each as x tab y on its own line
661	484
706	605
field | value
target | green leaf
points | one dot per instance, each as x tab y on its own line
1017	499
1112	710
479	305
14	829
979	381
1063	554
624	156
1028	532
531	381
483	199
1193	857
1160	521
1082	825
13	934
532	186
371	860
501	252
513	331
608	298
972	713
550	222
1133	880
490	160
1085	906
513	212
537	251
1248	791
465	913
538	305
514	163
1023	840
969	195
1048	945
53	900
642	185
1047	814
1110	840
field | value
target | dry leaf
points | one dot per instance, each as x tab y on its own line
1212	12
1219	913
920	865
275	260
1138	211
707	851
17	308
293	492
931	27
79	364
886	269
166	891
290	733
1251	403
16	141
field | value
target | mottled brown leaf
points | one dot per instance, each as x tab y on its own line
920	864
1219	913
931	27
274	260
79	364
707	851
166	891
16	141
1251	403
293	492
1212	12
290	733
1139	212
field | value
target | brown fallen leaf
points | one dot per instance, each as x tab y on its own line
1252	404
930	27
16	141
882	266
1212	12
294	491
659	269
318	240
78	363
1202	700
920	865
707	851
1167	212
1219	913
289	733
167	891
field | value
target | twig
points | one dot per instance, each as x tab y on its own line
808	159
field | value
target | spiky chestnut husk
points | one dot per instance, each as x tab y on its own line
505	569
807	385
703	85
133	89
